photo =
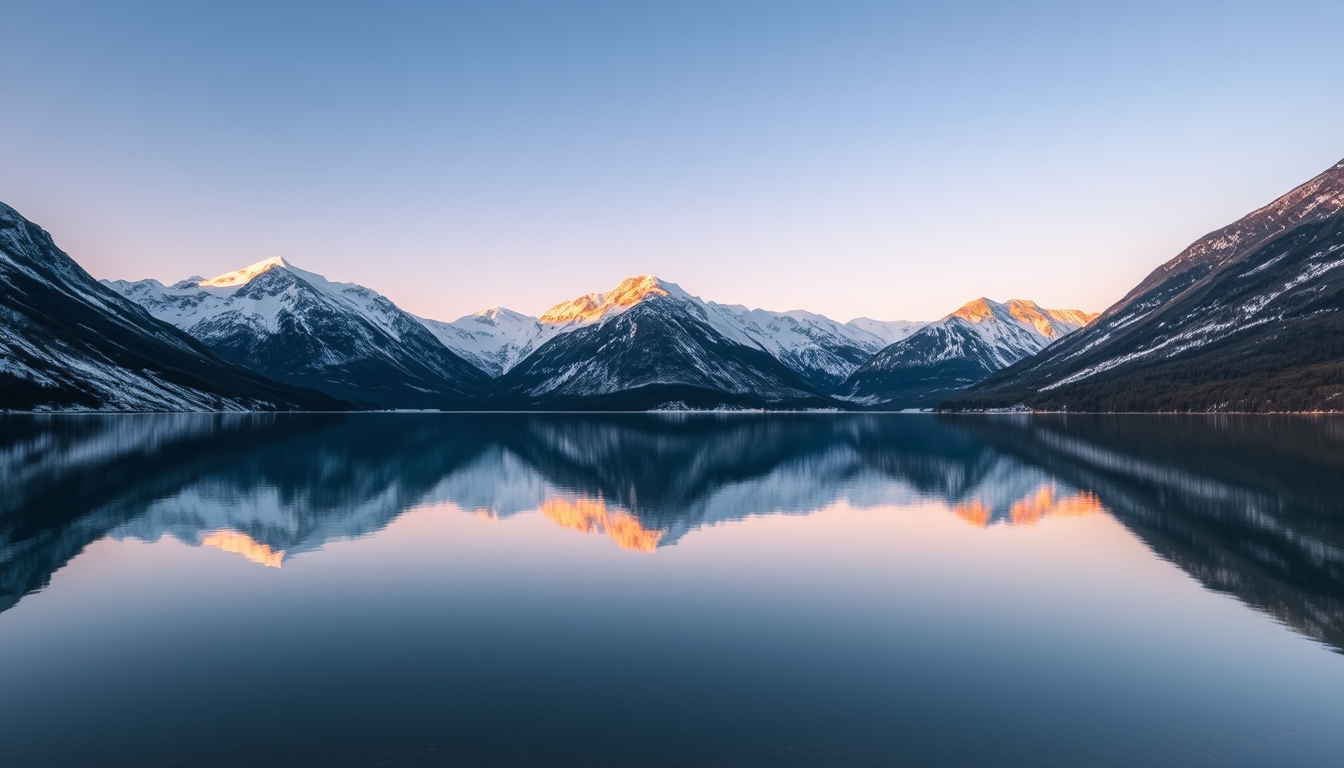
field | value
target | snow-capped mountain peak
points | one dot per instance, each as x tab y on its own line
593	307
822	350
299	327
494	339
1023	313
242	276
981	337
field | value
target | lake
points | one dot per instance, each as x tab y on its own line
785	590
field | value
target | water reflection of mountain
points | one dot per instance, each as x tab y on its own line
1251	510
1250	506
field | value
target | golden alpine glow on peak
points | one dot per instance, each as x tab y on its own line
1027	312
593	516
595	306
246	274
242	544
976	311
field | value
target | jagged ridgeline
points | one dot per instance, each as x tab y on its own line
268	335
1248	318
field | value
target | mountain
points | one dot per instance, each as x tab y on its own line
961	349
69	343
300	328
824	352
821	350
493	340
889	331
1248	318
649	344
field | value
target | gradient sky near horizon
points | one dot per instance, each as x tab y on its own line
889	160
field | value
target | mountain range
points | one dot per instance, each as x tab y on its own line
958	351
1245	319
646	344
69	343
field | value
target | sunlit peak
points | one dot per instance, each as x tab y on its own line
595	306
1029	313
977	311
246	274
242	544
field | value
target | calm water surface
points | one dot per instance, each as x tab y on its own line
433	589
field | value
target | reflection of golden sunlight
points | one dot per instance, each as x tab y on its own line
592	516
976	513
1033	507
242	544
1045	504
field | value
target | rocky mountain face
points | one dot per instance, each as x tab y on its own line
648	344
1247	318
69	343
956	352
298	327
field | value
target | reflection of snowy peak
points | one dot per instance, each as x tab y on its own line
268	487
299	327
68	343
956	352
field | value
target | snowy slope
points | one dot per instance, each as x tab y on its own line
68	343
299	327
889	331
493	340
1246	318
956	352
645	344
822	350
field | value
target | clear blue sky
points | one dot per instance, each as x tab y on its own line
881	159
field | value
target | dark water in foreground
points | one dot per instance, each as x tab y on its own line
429	590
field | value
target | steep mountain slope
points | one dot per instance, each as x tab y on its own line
298	327
649	344
958	351
68	343
494	339
1245	319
